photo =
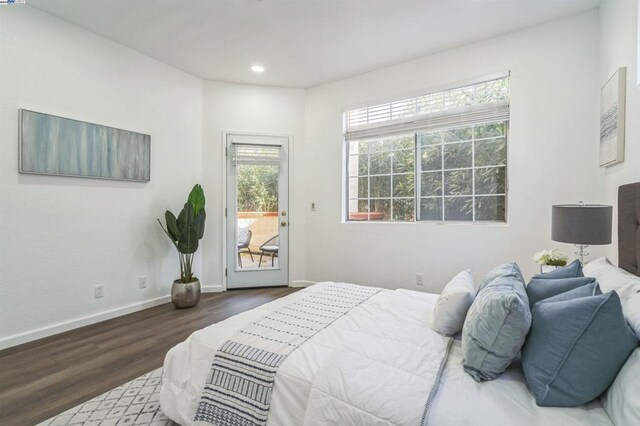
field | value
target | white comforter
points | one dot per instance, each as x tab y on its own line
374	366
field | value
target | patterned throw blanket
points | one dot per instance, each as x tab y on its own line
239	386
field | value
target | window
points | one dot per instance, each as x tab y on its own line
382	178
438	157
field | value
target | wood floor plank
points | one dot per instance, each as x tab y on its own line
48	376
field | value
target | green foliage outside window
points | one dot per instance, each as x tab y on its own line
453	162
257	188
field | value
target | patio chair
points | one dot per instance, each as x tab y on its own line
244	239
270	248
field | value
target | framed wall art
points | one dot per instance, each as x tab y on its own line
52	145
612	110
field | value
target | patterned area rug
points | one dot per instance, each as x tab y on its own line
134	403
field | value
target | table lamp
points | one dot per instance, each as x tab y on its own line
581	225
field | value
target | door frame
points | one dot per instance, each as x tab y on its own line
223	199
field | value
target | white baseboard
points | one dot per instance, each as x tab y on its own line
212	288
61	327
50	330
301	283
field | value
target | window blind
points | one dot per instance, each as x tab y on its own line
482	101
268	155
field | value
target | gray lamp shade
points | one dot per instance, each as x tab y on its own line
587	224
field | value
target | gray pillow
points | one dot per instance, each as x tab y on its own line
539	289
506	270
497	324
576	348
572	270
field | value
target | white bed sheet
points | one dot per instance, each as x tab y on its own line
392	326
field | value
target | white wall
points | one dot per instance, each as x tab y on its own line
552	158
619	48
249	108
61	236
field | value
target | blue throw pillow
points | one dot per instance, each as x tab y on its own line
572	270
591	289
539	289
575	348
496	325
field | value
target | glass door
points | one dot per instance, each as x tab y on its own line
257	220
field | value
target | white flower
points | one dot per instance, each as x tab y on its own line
551	257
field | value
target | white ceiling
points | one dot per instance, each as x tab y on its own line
301	43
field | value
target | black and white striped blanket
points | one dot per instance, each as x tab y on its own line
239	386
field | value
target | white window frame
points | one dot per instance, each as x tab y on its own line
391	175
473	168
423	123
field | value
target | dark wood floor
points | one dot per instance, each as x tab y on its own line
43	378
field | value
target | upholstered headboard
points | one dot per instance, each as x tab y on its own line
629	227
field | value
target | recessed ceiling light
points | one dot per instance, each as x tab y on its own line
257	68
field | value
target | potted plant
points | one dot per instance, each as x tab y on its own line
184	232
550	260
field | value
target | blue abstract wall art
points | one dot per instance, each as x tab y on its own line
51	145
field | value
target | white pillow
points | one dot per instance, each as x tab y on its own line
453	303
631	311
612	278
622	400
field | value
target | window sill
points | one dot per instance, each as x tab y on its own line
427	223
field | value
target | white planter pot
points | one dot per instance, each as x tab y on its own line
547	268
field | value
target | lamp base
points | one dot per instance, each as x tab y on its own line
581	253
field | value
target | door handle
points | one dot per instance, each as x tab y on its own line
283	223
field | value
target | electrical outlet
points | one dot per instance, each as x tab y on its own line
98	291
419	279
142	281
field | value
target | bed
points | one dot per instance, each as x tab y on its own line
376	364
